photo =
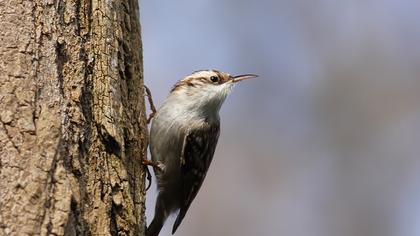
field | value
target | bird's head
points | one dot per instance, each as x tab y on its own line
207	89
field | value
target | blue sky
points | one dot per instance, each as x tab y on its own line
325	142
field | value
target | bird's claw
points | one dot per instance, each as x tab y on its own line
151	104
156	165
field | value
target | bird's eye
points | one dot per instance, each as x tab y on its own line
214	79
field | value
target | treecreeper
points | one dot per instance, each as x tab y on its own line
183	138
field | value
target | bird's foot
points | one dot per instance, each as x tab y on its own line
156	165
151	104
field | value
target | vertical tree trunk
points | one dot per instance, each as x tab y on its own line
73	128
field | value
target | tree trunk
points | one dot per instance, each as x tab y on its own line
73	127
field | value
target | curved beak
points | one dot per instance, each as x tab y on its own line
238	78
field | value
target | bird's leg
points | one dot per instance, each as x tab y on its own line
147	162
157	165
151	104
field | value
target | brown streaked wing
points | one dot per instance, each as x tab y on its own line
197	154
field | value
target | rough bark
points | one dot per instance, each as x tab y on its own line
73	127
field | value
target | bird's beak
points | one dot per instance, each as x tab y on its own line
238	78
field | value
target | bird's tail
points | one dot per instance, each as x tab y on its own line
154	227
161	213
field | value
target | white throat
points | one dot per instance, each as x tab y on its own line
203	103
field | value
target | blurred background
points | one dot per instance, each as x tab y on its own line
327	141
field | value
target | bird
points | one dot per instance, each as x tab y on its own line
183	137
